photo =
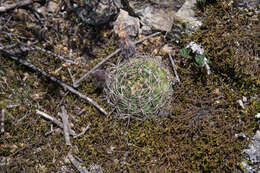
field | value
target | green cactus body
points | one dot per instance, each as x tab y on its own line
138	88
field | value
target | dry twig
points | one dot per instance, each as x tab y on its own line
15	5
174	68
71	89
75	163
2	121
77	83
66	126
54	120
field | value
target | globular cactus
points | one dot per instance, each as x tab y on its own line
138	88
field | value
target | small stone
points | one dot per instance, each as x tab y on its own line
240	136
165	49
186	14
241	104
244	99
130	25
52	6
257	116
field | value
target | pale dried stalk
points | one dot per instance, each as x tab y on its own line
54	120
3	121
65	120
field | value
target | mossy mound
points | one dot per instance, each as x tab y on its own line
138	88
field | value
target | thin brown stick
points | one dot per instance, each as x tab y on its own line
77	83
54	120
15	5
71	89
174	68
75	163
65	120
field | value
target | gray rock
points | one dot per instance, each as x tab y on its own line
253	150
153	18
186	14
97	12
247	4
185	22
175	5
130	25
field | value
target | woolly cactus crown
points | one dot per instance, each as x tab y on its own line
138	88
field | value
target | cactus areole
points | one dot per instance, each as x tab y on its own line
138	88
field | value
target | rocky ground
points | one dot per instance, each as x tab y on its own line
212	124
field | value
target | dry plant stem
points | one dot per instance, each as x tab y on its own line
22	47
174	68
71	89
2	121
51	53
77	165
83	132
54	120
66	127
76	84
15	5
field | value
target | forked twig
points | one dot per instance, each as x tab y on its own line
71	89
76	84
54	120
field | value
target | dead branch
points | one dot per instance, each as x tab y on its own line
75	163
66	127
15	5
71	89
51	53
19	48
174	68
54	120
2	121
77	83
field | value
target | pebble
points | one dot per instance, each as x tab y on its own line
257	116
241	104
